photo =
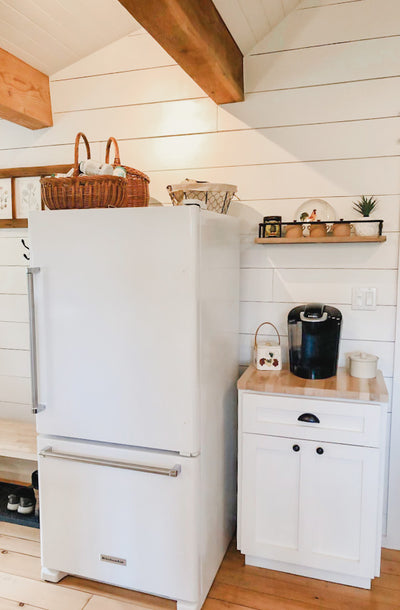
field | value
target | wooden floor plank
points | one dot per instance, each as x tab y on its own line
19	545
105	603
9	604
390	567
315	593
20	531
143	600
391	555
41	594
256	601
20	565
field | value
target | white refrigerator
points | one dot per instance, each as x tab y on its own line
134	337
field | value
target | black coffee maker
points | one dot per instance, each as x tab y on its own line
314	333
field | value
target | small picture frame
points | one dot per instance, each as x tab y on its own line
5	199
27	196
20	192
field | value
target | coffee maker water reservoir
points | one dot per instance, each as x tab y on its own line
314	333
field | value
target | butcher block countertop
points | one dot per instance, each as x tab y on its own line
342	386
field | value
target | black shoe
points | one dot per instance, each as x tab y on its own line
13	502
26	506
35	480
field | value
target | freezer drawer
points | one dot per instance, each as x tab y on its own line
121	516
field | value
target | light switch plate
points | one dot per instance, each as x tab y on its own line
363	298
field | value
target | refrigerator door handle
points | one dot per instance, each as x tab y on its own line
36	407
169	472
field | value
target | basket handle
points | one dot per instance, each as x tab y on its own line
270	324
76	161
110	141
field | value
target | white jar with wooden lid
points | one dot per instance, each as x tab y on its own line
362	365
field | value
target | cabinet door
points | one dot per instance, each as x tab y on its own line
270	497
339	507
315	509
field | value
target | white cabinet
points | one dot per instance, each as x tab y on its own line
308	505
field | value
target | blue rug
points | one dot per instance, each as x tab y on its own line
13	516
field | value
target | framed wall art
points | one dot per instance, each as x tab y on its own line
20	192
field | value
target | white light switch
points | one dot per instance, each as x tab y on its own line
363	298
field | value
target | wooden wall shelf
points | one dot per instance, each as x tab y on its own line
318	240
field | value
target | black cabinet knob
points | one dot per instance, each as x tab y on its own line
319	450
296	448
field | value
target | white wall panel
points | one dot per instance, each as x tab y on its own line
251	213
14	389
321	65
335	22
16	411
345	140
329	285
384	350
256	284
357	100
11	251
378	325
13	308
14	362
14	335
123	89
166	118
44	155
320	256
137	51
12	281
315	179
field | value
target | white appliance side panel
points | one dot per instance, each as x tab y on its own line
219	366
117	312
144	525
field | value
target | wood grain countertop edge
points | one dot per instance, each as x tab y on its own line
342	386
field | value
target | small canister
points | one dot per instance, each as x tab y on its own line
267	355
362	365
272	226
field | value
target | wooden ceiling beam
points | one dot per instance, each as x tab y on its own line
24	93
194	34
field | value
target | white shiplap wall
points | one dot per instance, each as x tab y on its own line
319	120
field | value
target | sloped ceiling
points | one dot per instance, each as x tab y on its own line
52	34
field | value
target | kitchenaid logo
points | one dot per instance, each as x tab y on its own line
117	560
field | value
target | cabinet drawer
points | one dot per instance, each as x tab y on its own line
116	524
339	422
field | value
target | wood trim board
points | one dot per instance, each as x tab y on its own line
25	172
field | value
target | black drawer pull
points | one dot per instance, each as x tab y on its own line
319	450
309	418
296	448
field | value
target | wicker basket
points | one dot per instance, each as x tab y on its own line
217	197
137	183
80	191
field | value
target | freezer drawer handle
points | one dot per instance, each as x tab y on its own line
36	407
168	472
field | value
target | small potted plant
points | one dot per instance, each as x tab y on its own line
365	206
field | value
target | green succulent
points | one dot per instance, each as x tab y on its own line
365	205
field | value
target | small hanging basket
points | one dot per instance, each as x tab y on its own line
137	183
217	197
81	191
267	355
